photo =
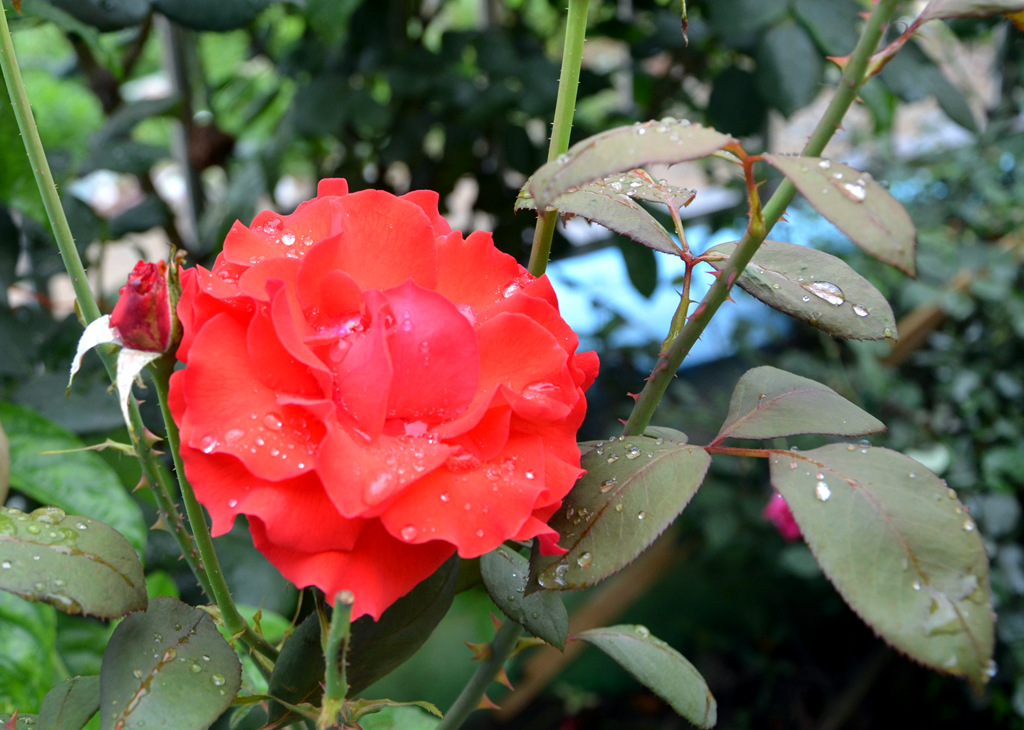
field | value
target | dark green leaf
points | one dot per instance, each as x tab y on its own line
900	548
642	267
735	106
856	204
106	14
28	633
80	482
816	288
789	67
833	25
149	213
733	18
71	704
299	671
938	9
74	563
378	647
660	668
505	573
912	75
218	16
769	403
167	663
611	202
121	123
126	156
625	148
634	487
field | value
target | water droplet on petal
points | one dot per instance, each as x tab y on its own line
409	533
445	496
480	533
272	421
232	503
207	444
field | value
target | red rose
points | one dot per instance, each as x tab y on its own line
142	316
375	392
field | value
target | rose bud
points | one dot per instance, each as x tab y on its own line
142	316
778	513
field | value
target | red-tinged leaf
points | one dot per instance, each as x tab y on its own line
945	9
612	204
76	564
900	548
168	664
71	704
814	287
856	204
543	614
660	668
667	141
634	488
769	403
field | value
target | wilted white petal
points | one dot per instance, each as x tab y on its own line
99	332
129	364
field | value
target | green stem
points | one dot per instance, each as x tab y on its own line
669	361
157	476
336	683
504	644
561	128
41	169
209	571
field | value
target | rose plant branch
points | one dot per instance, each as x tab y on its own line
669	361
501	648
208	571
561	128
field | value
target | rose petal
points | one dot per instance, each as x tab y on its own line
427	202
358	570
238	415
475	510
360	476
434	356
474	272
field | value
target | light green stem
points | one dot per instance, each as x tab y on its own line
336	650
854	76
504	644
561	128
214	583
157	476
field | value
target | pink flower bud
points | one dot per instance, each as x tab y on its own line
142	316
778	513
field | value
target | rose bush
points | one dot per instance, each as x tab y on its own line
375	392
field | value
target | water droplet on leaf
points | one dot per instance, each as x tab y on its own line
822	491
585	560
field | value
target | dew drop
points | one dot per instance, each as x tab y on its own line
608	484
6	565
612	459
826	290
641	515
641	131
445	496
825	164
822	491
137	673
618	507
854	192
409	533
529	475
968	526
217	679
916	585
642	631
272	421
632	451
860	311
207	444
480	533
232	503
585	560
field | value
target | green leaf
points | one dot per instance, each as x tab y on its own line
940	9
642	267
833	25
611	202
613	152
80	482
789	67
769	403
900	548
167	662
73	563
218	16
28	634
856	204
5	465
660	668
814	287
17	183
106	14
71	704
542	613
634	487
299	671
26	721
378	647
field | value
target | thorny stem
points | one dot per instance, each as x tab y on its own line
158	478
502	647
854	76
336	683
214	583
565	107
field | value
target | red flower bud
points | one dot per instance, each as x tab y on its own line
142	316
778	513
